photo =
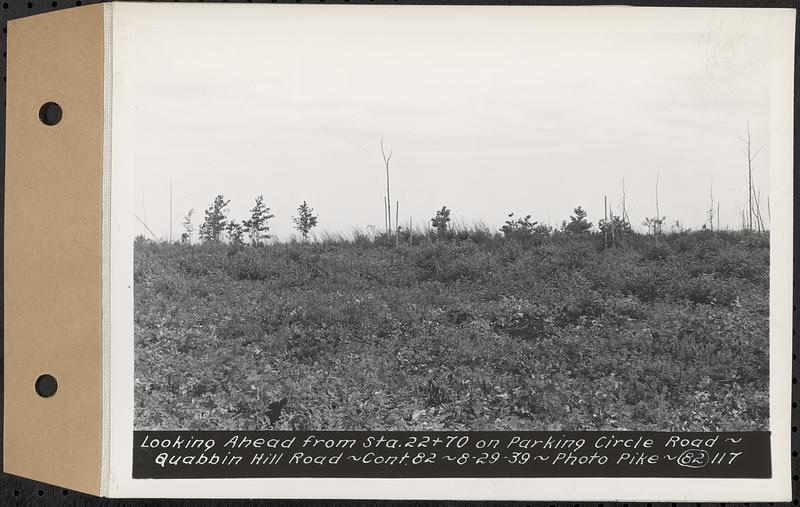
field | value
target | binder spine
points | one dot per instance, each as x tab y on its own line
108	78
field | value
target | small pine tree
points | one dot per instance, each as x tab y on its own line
257	227
614	223
305	219
520	228
216	221
235	237
235	233
577	222
440	221
654	225
615	229
542	230
188	228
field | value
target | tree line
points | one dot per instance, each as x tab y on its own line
218	227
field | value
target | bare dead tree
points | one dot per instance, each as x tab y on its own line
658	221
397	223
747	150
148	229
757	212
170	211
769	211
624	208
605	221
749	181
386	159
385	215
711	208
658	213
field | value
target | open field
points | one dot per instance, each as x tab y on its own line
455	335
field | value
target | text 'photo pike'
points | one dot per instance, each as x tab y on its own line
452	226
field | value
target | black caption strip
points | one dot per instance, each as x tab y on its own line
237	454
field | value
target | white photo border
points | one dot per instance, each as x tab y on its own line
121	484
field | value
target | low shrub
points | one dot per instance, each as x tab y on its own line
708	289
657	253
454	335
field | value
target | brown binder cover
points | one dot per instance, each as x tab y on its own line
53	248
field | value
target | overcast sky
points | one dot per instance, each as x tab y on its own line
488	110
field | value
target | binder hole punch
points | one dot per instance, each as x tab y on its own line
46	385
50	113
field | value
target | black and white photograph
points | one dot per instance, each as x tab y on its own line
457	221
